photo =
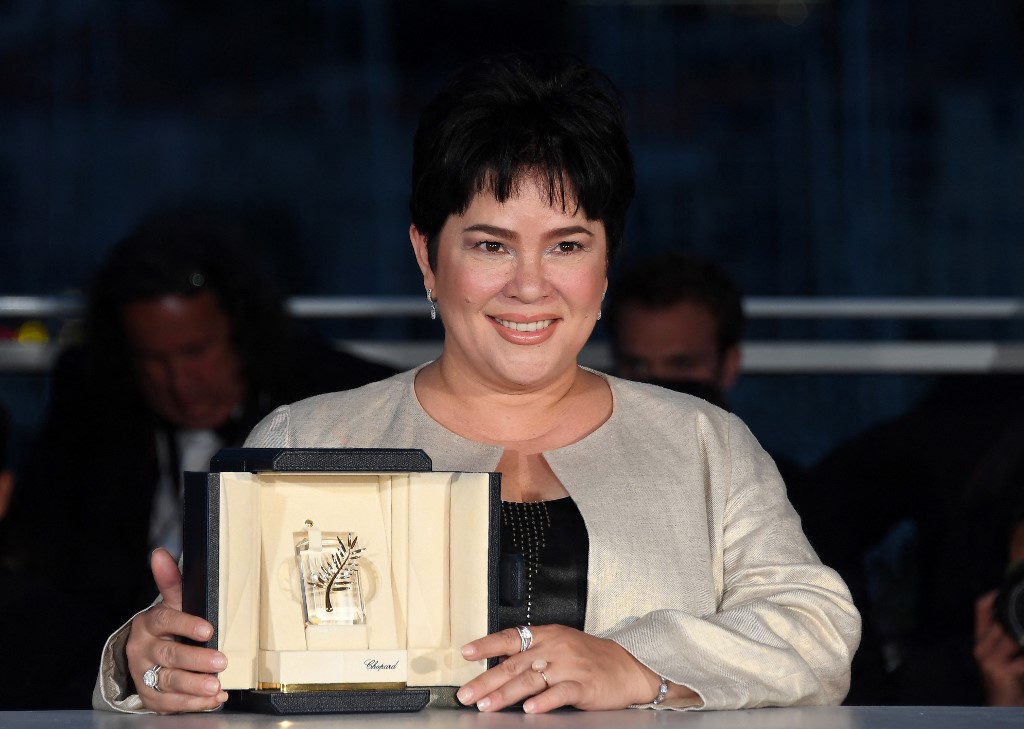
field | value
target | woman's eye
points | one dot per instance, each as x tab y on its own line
568	247
491	246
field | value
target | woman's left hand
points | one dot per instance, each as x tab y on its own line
562	667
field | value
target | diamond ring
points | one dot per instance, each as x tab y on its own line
525	638
152	677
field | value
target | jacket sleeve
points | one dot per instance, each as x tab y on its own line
115	690
273	431
784	630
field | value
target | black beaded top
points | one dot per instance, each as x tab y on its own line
544	549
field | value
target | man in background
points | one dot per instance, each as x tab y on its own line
186	347
676	320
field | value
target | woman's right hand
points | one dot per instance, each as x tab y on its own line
186	681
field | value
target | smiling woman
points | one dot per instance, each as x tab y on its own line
519	287
664	565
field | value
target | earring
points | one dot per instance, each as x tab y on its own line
433	309
599	315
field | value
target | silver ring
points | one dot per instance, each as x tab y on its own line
525	638
152	677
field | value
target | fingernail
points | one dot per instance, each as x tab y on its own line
468	651
204	632
465	695
483	704
211	686
222	696
528	707
219	663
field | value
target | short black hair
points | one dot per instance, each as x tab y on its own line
507	116
666	279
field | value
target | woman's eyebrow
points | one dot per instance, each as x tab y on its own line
571	230
491	230
499	232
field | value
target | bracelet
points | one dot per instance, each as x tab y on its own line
662	693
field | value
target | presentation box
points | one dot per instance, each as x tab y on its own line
341	580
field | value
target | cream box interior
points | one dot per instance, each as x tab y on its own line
420	587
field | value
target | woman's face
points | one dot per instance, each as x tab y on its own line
518	285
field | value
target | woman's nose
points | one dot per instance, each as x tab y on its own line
529	281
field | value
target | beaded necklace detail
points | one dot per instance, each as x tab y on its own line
529	523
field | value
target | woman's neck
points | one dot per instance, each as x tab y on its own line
526	423
529	420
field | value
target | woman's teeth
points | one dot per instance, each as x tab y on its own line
527	326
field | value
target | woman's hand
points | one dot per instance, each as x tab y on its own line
184	679
999	658
563	667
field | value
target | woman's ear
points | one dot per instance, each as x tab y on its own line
419	247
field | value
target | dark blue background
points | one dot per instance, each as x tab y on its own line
833	148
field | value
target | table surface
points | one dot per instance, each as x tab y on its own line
844	717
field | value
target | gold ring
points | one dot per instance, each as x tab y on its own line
542	675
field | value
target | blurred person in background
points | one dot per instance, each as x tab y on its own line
187	345
918	512
998	653
993	533
676	320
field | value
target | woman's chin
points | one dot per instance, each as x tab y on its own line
526	372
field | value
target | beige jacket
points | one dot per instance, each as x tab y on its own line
697	564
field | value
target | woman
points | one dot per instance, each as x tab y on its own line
668	568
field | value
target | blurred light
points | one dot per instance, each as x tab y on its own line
33	332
